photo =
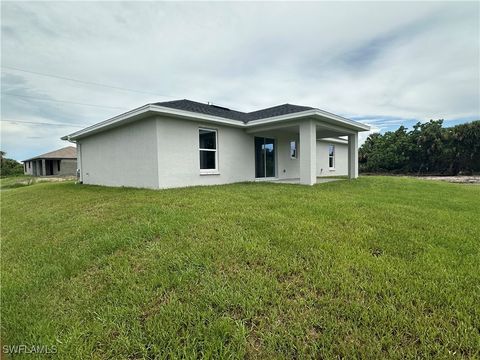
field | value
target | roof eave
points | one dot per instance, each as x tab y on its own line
312	113
145	111
149	109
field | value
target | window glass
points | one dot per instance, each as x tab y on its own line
331	156
208	139
207	160
208	150
293	149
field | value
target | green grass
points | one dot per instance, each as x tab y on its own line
11	182
375	268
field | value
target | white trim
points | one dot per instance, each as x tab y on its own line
209	171
155	109
313	112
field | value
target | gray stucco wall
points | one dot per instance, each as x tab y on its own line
286	167
179	157
341	159
123	156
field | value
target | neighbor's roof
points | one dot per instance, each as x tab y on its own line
215	110
69	152
193	110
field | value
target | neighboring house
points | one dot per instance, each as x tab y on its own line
61	162
185	143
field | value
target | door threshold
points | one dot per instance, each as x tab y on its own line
267	179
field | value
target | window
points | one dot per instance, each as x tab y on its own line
208	151
29	164
58	165
331	156
293	149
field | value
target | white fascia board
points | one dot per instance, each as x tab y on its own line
279	118
355	124
313	112
155	109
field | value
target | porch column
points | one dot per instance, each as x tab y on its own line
353	156
308	152
44	168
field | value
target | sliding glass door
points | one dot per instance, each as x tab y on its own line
264	157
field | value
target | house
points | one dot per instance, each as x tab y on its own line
184	143
61	162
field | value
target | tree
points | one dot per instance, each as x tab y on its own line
9	167
428	148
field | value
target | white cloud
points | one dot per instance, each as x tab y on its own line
401	60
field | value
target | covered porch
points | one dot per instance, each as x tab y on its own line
301	165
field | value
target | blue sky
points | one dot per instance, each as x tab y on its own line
385	64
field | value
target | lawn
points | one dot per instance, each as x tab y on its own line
11	182
373	268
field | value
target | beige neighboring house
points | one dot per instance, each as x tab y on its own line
61	162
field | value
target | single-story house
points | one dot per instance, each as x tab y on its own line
185	143
61	162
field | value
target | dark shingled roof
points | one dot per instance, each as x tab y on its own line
69	152
215	110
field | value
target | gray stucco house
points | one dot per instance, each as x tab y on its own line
61	162
185	143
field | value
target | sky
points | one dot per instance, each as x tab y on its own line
385	64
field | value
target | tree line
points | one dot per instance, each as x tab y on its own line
428	148
9	167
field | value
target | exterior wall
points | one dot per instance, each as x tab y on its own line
179	156
68	167
286	167
28	168
123	156
161	152
34	168
341	159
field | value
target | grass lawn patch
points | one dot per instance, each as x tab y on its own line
373	268
11	182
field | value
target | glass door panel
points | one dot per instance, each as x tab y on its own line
264	157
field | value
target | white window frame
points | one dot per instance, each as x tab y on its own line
331	156
290	149
208	171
